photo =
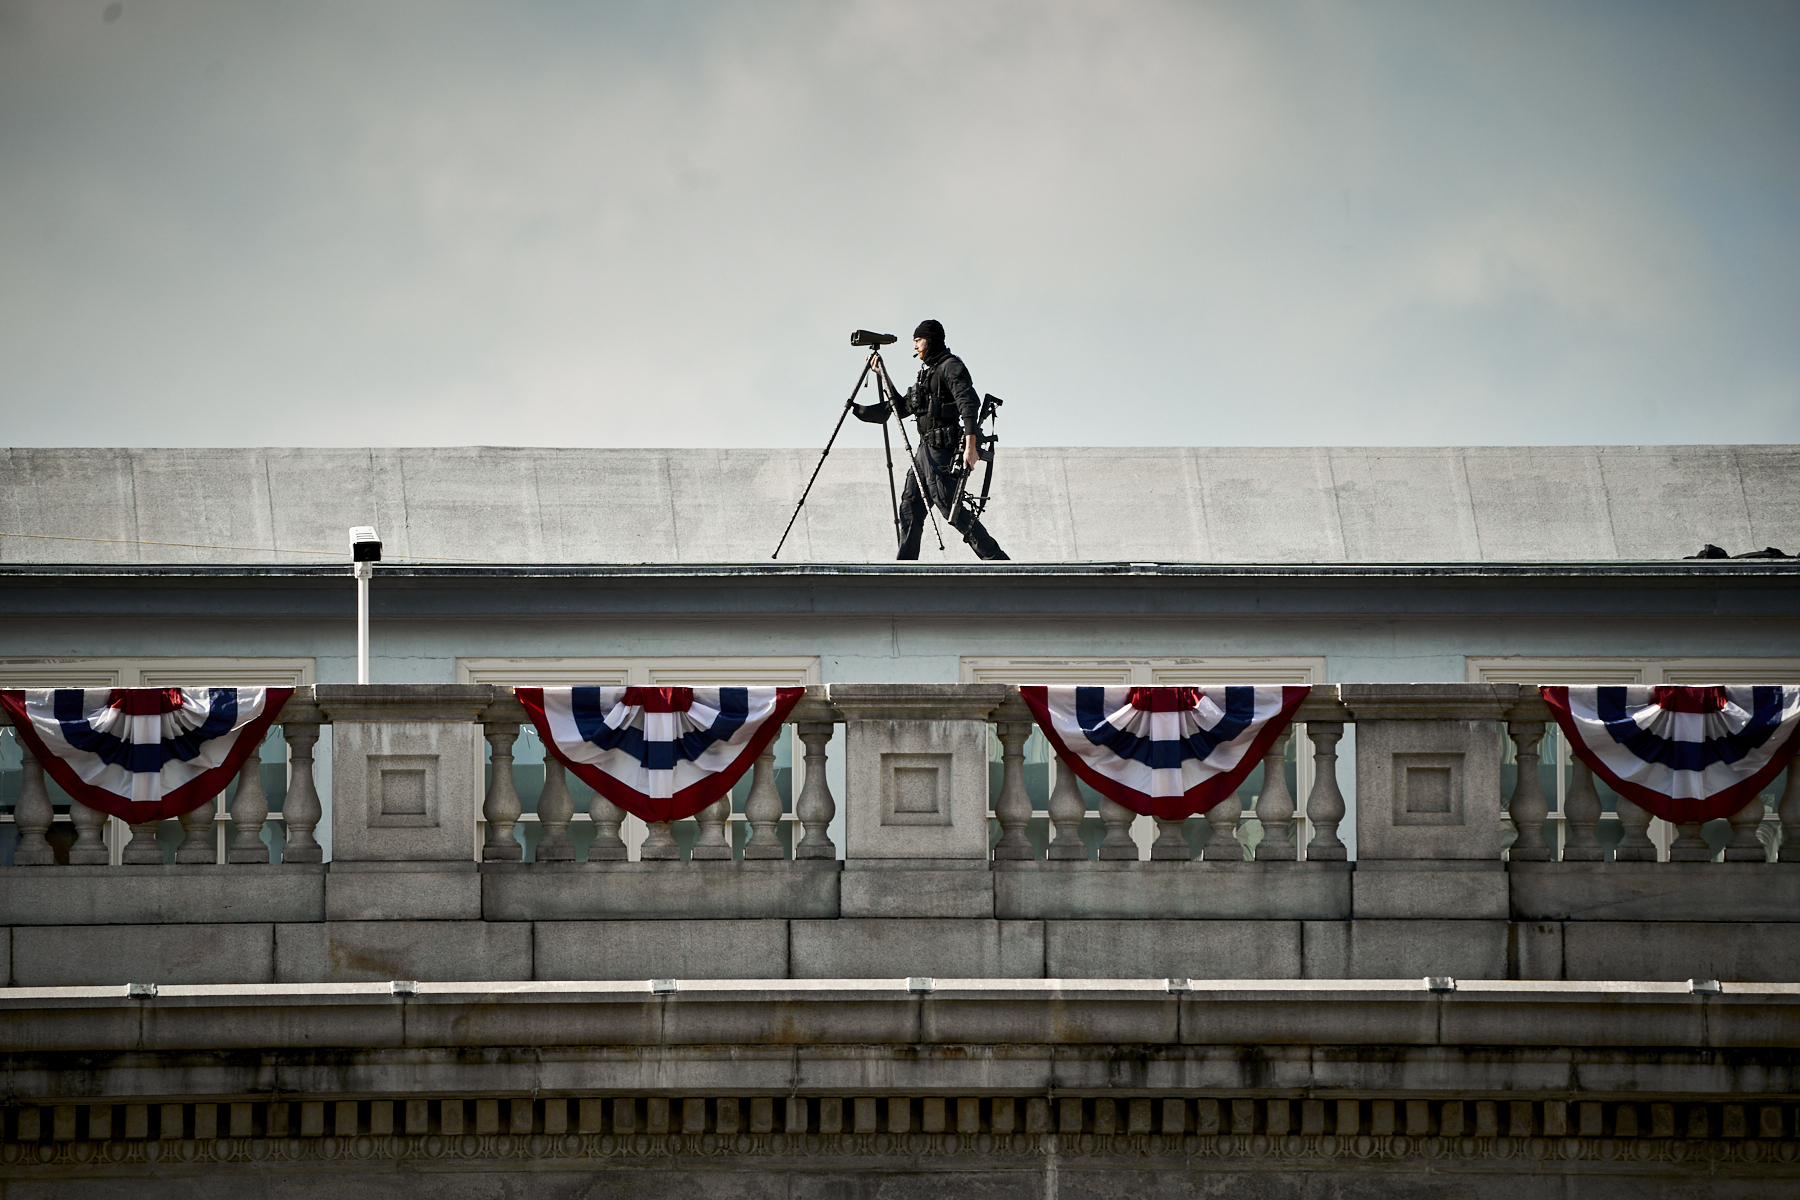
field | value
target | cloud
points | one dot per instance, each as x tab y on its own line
1144	223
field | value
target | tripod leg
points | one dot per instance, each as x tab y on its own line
823	455
936	532
887	452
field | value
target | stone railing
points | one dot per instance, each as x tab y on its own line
1323	716
414	836
248	813
814	809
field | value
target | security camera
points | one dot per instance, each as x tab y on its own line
365	544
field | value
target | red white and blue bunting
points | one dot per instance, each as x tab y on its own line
143	754
660	753
1167	752
1681	753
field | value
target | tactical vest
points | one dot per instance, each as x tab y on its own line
932	402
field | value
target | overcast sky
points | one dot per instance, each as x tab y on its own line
1143	222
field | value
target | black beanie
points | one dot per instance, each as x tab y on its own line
931	331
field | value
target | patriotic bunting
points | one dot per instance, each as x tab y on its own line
143	754
660	753
1681	753
1167	752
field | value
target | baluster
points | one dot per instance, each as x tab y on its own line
1118	843
33	812
1275	807
199	844
1744	845
1688	845
249	810
659	844
1169	843
89	849
143	850
712	844
1789	812
1581	813
1528	808
1067	808
301	811
1013	805
1634	844
1325	805
555	810
501	807
815	808
762	809
1222	819
607	817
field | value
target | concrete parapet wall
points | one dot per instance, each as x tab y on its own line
1609	893
1344	504
769	948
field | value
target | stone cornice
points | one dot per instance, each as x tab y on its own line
918	701
404	701
883	1012
1760	588
1428	701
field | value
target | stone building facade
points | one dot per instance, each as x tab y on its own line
1331	985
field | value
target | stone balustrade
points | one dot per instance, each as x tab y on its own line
33	813
1447	853
1427	766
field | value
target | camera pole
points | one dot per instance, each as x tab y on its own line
815	475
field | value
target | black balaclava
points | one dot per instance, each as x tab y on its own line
933	333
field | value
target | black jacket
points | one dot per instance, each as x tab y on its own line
944	399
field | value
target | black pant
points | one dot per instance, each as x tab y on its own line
934	463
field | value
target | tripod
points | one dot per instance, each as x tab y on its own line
883	387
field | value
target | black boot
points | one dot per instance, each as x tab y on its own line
979	539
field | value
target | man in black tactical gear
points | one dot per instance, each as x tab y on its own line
946	405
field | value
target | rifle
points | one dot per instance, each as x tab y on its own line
985	445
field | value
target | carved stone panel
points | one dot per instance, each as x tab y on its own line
1428	790
404	790
916	789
